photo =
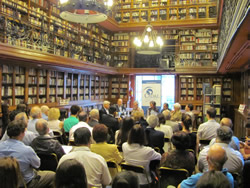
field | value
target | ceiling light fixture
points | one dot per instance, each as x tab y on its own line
149	43
85	11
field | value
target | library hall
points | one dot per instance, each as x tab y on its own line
124	93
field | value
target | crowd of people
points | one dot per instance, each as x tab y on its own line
163	139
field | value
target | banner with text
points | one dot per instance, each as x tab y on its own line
151	91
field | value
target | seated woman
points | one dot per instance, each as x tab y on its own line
152	110
108	151
121	135
9	173
135	153
71	173
176	113
186	122
126	179
53	120
180	157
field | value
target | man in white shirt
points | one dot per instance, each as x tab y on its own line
83	118
235	161
95	165
207	130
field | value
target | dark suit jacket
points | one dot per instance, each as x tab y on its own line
155	138
118	110
101	112
112	124
93	122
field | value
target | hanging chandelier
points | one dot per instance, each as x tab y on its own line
85	11
149	43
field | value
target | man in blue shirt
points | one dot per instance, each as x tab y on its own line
216	158
25	155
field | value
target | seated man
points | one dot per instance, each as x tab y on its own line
26	156
154	138
29	136
44	143
94	117
216	158
104	109
235	143
188	109
95	165
36	114
72	120
119	106
175	126
235	160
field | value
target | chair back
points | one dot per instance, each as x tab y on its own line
113	168
49	161
205	142
58	136
171	176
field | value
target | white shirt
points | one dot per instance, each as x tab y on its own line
140	155
207	130
27	139
78	125
167	130
95	166
54	125
234	163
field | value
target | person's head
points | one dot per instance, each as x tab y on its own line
106	104
161	119
82	136
152	104
224	134
9	172
226	122
100	133
112	110
137	115
181	140
22	117
83	116
42	127
53	114
45	109
213	179
189	107
211	113
136	105
165	106
177	106
153	121
16	129
125	179
136	135
186	121
74	109
71	174
21	108
94	114
216	157
167	114
119	102
127	124
36	112
63	114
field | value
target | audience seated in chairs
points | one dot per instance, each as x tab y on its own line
108	151
155	139
95	165
125	179
216	158
180	157
53	120
29	135
69	174
25	155
135	153
121	135
213	179
44	143
10	175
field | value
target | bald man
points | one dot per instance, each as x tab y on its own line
44	143
235	160
235	143
216	158
119	106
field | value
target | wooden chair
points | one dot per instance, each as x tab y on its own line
135	168
49	161
171	176
113	168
